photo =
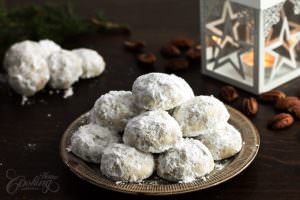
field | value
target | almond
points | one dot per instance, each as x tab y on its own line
272	96
249	106
286	103
281	121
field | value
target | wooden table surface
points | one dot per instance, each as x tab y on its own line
30	134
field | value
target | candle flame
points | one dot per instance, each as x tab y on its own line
248	59
216	39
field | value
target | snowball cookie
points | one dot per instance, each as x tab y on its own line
92	63
186	162
152	132
161	91
48	47
27	70
90	140
65	69
223	142
123	163
15	54
198	115
114	109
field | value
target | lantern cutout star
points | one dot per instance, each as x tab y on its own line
227	16
286	44
235	60
227	38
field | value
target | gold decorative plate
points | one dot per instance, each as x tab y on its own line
155	186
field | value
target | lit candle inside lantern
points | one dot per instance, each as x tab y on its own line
248	59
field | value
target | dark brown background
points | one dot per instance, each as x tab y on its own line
275	173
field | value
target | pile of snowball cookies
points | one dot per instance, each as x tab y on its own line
158	128
31	65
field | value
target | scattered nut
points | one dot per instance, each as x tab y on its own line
194	54
170	51
286	103
272	96
146	58
281	121
134	46
295	110
183	42
250	106
178	64
229	93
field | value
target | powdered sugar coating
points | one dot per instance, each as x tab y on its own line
27	70
92	63
153	132
14	55
200	114
114	109
223	142
48	47
161	91
123	163
65	69
186	162
90	140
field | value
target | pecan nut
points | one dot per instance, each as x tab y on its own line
295	110
170	51
183	43
286	103
194	54
272	96
249	106
134	46
281	121
229	94
178	64
146	58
